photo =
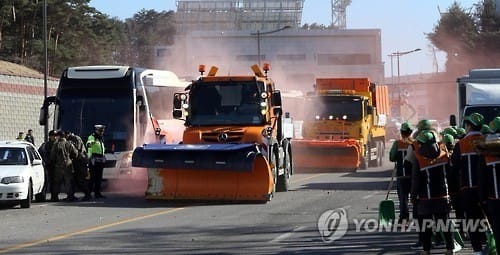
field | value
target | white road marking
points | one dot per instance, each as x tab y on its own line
287	235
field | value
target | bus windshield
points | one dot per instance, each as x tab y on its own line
78	111
334	107
226	103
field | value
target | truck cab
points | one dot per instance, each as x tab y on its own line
479	91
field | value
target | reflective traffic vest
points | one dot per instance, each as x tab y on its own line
469	160
433	183
493	175
95	146
401	155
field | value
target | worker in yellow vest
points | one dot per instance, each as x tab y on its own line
97	160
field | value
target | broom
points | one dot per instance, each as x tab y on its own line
490	238
386	212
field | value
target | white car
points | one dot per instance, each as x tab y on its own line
21	173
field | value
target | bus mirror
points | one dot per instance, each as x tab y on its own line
453	120
177	114
276	98
44	112
142	114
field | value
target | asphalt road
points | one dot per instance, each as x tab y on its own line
126	223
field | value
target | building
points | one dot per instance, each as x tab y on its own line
235	34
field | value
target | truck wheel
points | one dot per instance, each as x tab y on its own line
363	164
380	153
284	179
274	170
372	162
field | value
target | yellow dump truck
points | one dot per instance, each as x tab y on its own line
233	148
344	125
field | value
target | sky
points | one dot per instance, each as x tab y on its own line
404	25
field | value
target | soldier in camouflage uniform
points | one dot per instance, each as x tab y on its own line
61	156
44	151
80	167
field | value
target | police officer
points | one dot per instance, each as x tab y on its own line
95	149
62	155
429	188
465	161
489	181
397	154
80	165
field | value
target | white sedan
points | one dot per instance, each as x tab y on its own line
21	173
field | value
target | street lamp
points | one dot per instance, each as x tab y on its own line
398	54
259	33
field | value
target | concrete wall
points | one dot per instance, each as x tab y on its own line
20	101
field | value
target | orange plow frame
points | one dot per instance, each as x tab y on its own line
235	172
209	184
326	154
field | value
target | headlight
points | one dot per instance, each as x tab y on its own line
12	179
126	160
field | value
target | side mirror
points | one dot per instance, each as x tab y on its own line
177	114
36	162
277	111
42	119
370	109
276	98
453	120
44	111
179	99
142	114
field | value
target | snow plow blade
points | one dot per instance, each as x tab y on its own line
234	172
318	154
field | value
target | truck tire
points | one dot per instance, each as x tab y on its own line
380	153
363	165
372	162
273	160
284	179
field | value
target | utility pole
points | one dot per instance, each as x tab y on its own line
259	33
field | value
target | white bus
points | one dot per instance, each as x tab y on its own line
123	99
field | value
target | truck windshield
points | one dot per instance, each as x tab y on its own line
488	112
225	103
78	111
334	107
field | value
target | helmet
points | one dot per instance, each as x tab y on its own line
425	137
52	133
60	133
450	131
485	129
461	132
495	125
405	127
448	139
424	125
476	119
99	127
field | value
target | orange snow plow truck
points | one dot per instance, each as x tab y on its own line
233	148
344	127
